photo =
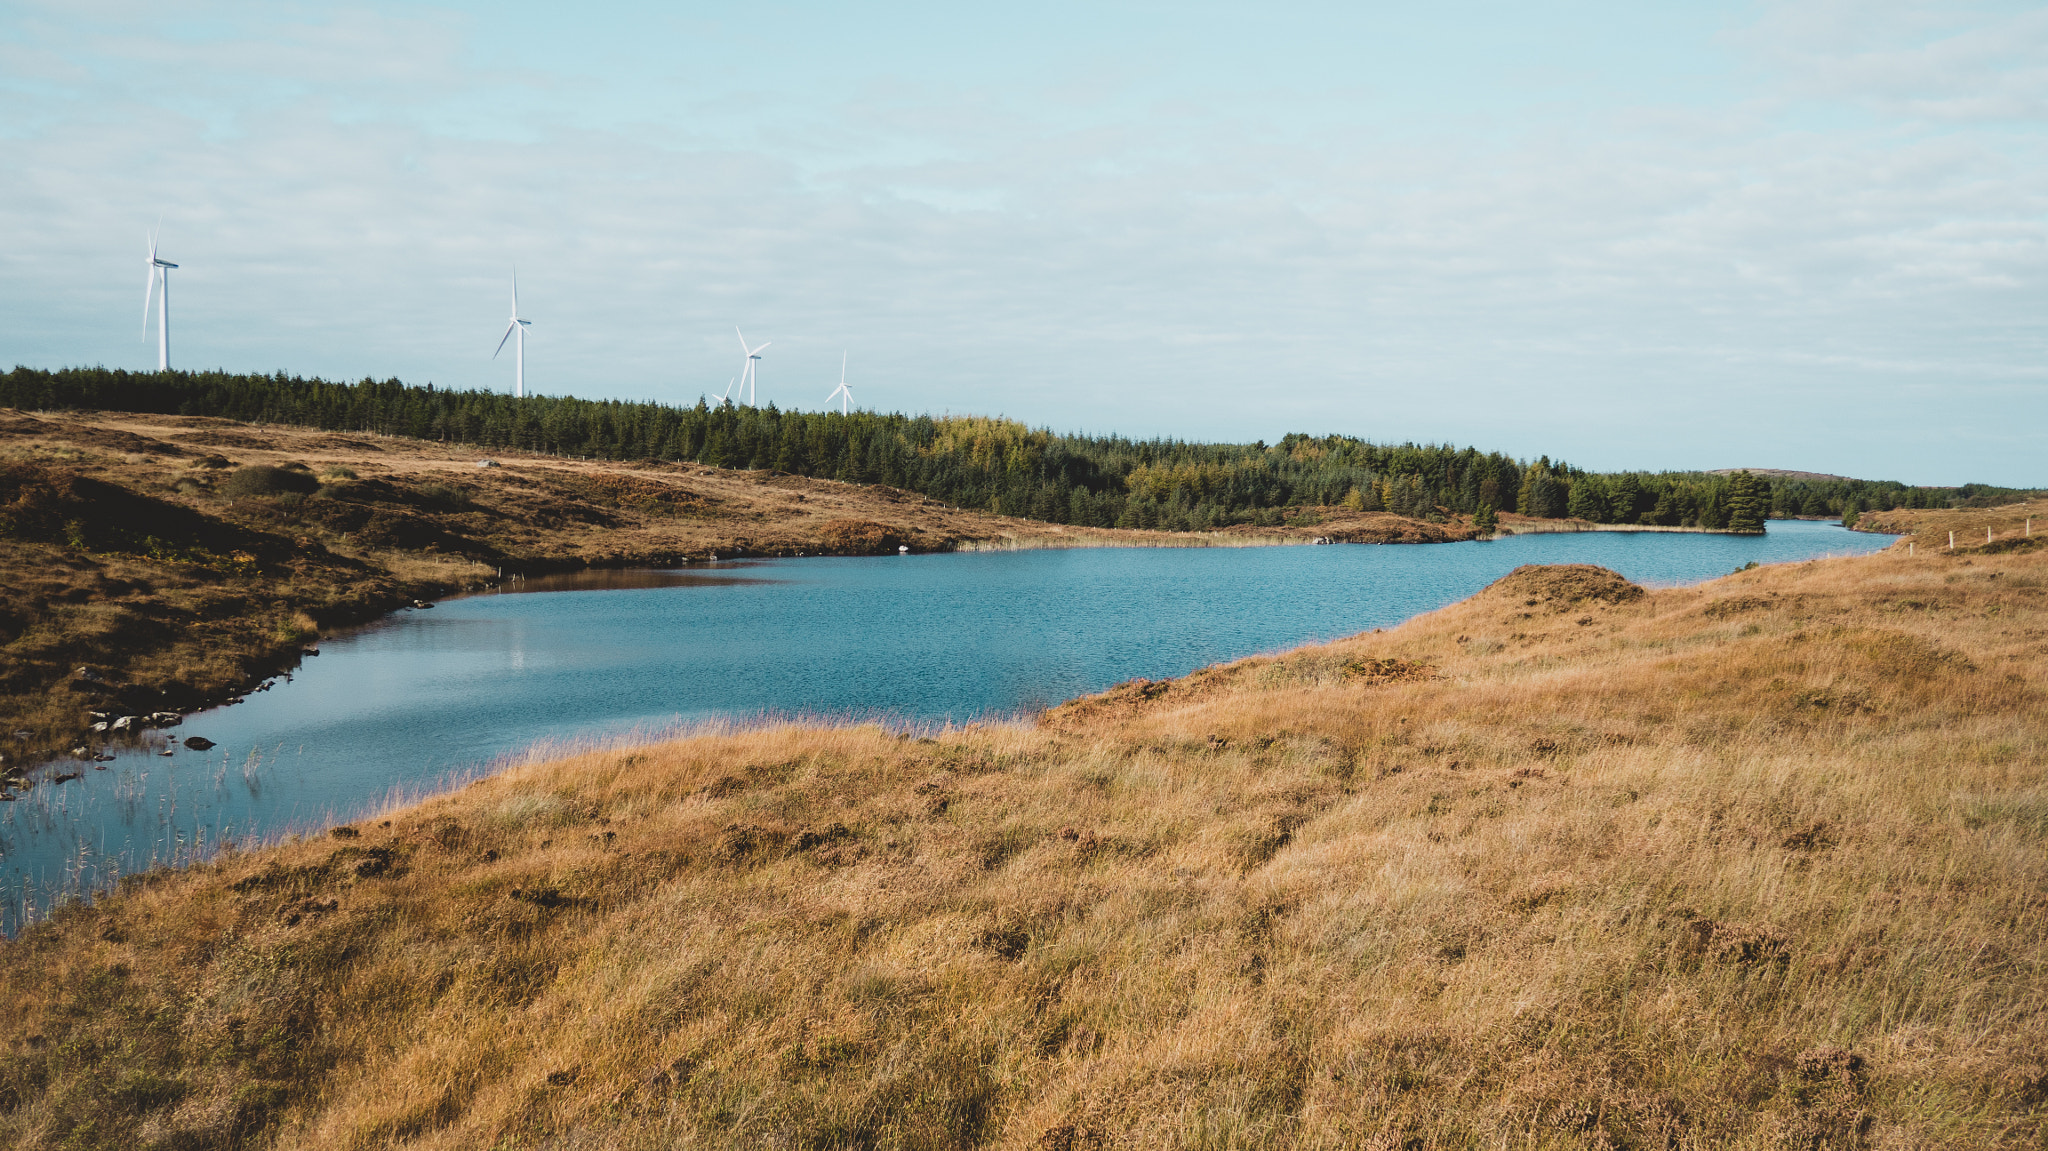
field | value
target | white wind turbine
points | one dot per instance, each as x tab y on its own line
842	392
749	384
518	352
159	269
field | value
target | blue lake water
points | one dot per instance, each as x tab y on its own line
424	697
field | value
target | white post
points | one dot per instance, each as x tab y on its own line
1951	541
163	324
1987	535
1909	547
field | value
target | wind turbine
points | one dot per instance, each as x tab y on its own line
519	352
844	393
749	384
159	269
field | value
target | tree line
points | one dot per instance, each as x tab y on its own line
994	465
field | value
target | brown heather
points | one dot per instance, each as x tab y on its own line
1752	864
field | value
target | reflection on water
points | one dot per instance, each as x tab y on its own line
623	579
428	697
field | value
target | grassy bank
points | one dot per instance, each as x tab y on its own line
1757	863
2016	526
1511	524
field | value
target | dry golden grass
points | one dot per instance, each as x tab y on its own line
1753	864
2008	527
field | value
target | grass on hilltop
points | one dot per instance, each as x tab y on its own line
1753	864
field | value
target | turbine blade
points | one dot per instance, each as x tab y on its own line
759	350
509	329
148	291
743	340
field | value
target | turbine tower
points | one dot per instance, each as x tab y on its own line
519	352
749	385
159	269
842	392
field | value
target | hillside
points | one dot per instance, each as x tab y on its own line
1784	474
184	558
2007	527
1757	863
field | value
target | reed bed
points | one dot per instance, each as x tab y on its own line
1757	863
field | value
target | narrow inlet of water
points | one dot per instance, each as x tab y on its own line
425	698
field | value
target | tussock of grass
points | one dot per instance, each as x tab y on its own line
1754	864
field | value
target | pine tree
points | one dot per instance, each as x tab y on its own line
1525	501
1748	503
1626	494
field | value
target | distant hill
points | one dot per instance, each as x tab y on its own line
1782	474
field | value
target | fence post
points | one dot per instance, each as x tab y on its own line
1951	541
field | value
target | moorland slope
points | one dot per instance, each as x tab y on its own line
1571	864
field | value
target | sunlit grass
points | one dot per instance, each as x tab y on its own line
1752	864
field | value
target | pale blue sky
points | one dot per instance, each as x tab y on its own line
1803	234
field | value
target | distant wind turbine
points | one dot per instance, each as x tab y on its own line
159	269
519	351
749	383
844	393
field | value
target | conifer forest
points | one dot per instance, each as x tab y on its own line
997	465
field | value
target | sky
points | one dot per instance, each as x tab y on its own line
1632	234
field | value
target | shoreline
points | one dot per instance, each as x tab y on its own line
1535	527
589	579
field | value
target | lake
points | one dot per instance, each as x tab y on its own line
427	697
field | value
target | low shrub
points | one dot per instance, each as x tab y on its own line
265	480
444	496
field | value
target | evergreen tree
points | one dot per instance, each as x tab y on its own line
1622	505
1748	503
